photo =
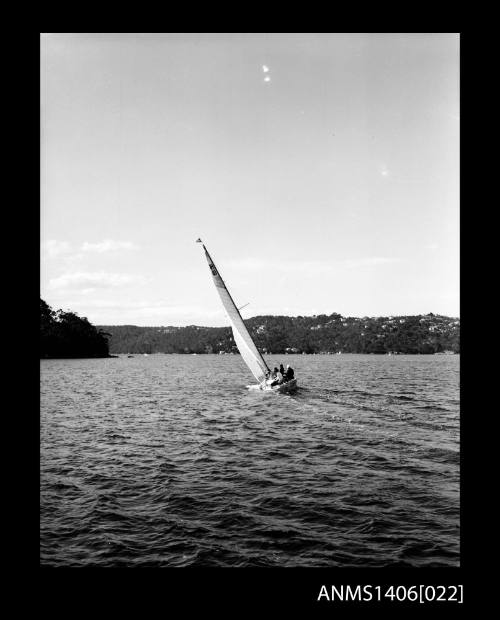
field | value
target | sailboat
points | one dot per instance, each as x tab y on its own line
246	346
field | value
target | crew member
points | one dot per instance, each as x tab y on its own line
276	377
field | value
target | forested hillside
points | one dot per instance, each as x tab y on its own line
65	334
284	334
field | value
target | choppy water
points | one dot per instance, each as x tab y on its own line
168	460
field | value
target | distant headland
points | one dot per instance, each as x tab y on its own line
321	334
66	335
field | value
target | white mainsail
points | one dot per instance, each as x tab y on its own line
242	338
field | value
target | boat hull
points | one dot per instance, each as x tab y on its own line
286	388
283	388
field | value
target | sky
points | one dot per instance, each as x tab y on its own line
320	170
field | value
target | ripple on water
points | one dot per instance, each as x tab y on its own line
140	467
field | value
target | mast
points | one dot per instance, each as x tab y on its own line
244	341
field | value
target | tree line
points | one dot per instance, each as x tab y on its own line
65	335
300	334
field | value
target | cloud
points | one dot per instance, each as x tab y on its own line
369	261
142	312
108	245
53	248
267	79
144	307
309	268
87	282
265	68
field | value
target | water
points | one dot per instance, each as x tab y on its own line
167	460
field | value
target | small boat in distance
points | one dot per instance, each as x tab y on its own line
246	346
